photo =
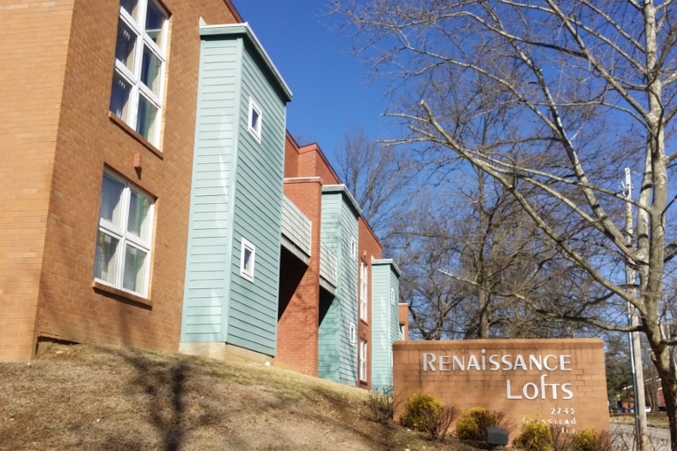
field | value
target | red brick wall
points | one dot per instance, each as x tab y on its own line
313	163
369	248
297	328
291	157
87	140
584	372
33	52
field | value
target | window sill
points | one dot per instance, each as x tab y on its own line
134	134
121	294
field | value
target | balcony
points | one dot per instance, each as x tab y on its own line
296	230
328	269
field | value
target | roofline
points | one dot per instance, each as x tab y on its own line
245	30
233	10
342	189
316	147
387	261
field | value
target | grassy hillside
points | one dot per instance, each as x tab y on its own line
101	398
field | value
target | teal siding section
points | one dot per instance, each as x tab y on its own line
328	332
385	321
328	337
252	315
211	207
338	231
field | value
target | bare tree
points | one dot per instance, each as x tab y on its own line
377	175
582	83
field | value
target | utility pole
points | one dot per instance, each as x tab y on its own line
635	348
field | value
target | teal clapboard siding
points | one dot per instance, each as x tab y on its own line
385	321
337	353
211	208
236	194
258	213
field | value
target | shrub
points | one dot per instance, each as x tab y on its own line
420	410
473	423
427	414
591	440
439	424
381	404
535	436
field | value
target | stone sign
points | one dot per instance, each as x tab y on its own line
560	381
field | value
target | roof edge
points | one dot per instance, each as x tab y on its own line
387	261
245	30
344	190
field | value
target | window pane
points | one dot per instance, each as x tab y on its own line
131	6
105	260
119	98
139	206
124	47
247	265
255	120
155	19
150	70
111	196
145	123
135	270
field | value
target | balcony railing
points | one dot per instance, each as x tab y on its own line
296	229
328	267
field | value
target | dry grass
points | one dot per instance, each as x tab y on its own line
101	398
656	420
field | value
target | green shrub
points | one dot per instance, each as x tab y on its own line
535	436
420	410
427	414
473	423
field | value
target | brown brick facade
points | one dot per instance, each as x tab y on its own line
569	388
57	138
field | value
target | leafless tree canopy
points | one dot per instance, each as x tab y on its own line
551	99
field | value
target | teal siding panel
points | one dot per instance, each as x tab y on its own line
338	231
328	338
257	216
381	370
210	229
347	288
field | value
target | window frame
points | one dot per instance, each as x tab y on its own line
392	296
363	360
364	274
132	77
126	237
352	331
256	130
247	274
353	248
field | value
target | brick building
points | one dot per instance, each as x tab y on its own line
97	128
152	198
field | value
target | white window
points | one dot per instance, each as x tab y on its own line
136	96
353	334
255	120
363	359
123	244
363	291
247	260
393	298
353	248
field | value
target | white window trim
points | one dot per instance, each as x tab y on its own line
363	290
353	248
363	360
392	296
126	238
247	274
133	77
353	334
255	131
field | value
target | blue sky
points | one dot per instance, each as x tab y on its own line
330	86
